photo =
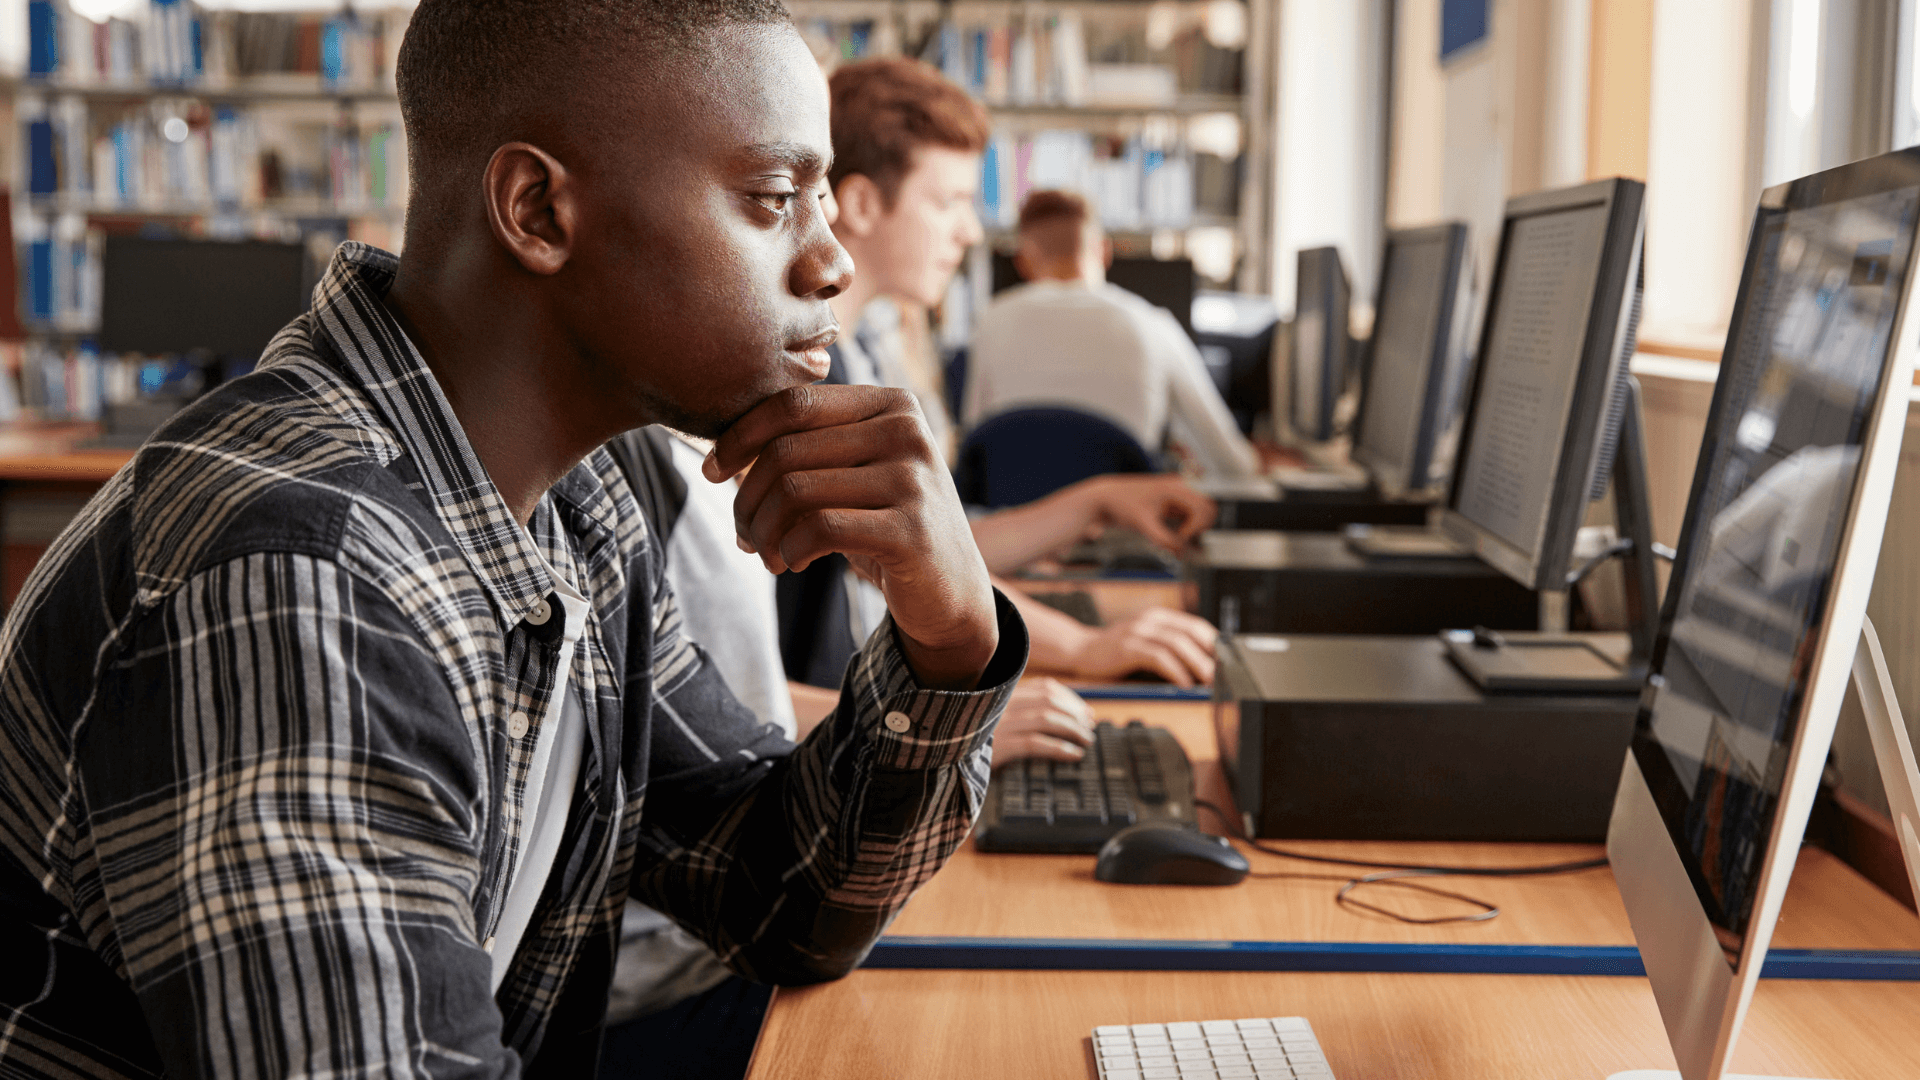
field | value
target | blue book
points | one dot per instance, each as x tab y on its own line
43	37
990	182
40	279
43	165
333	53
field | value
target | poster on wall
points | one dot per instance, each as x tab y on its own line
1463	24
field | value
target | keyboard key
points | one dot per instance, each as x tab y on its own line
1234	1072
1224	1027
1189	1044
1269	1071
1187	1030
1254	1025
1166	1073
1311	1070
1285	1024
1156	1061
1120	1074
1141	1030
1113	1029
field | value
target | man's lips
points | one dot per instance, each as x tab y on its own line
812	351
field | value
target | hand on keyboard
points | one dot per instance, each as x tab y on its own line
1044	720
1171	644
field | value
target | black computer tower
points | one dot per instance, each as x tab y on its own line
1313	583
1382	738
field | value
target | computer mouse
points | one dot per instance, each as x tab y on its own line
1158	853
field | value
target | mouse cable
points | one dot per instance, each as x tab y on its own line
1416	868
1398	875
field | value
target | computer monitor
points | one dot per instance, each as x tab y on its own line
1550	379
174	296
1764	611
1418	361
1320	348
1167	283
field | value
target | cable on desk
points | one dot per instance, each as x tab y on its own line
1397	874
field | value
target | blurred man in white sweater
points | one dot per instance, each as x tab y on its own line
1068	337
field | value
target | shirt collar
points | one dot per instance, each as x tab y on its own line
350	316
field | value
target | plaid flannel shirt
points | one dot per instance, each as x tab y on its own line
260	790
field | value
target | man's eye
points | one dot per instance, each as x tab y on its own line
776	201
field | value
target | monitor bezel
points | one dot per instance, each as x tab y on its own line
1601	367
1335	356
1397	478
1703	997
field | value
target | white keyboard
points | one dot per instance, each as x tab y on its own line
1282	1048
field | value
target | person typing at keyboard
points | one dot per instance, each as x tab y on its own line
907	149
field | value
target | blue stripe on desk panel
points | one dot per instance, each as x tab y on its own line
1144	692
1113	954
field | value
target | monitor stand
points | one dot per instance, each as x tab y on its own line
1552	660
1893	750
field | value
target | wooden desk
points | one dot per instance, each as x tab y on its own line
1014	1025
1829	905
49	453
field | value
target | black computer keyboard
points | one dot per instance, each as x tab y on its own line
1131	774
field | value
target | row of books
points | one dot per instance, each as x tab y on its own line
79	382
1038	57
157	156
60	264
1064	59
1136	183
174	42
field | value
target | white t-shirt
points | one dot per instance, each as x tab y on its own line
726	602
559	743
726	596
1104	350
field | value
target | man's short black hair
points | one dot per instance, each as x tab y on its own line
468	69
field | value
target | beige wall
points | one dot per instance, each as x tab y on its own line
1620	80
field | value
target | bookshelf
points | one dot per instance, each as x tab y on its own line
180	119
1161	111
211	122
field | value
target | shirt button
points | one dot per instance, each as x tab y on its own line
898	722
487	946
517	726
541	612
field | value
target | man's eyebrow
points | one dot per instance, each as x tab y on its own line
797	157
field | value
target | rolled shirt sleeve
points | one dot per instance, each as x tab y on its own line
817	849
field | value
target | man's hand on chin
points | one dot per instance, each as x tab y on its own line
853	469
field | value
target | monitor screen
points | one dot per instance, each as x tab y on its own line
1529	368
1412	335
1322	306
1776	484
173	296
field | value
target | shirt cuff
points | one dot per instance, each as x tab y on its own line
916	728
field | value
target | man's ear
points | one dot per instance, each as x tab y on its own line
1106	252
862	205
532	206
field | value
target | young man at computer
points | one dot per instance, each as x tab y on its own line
336	730
1069	337
907	146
